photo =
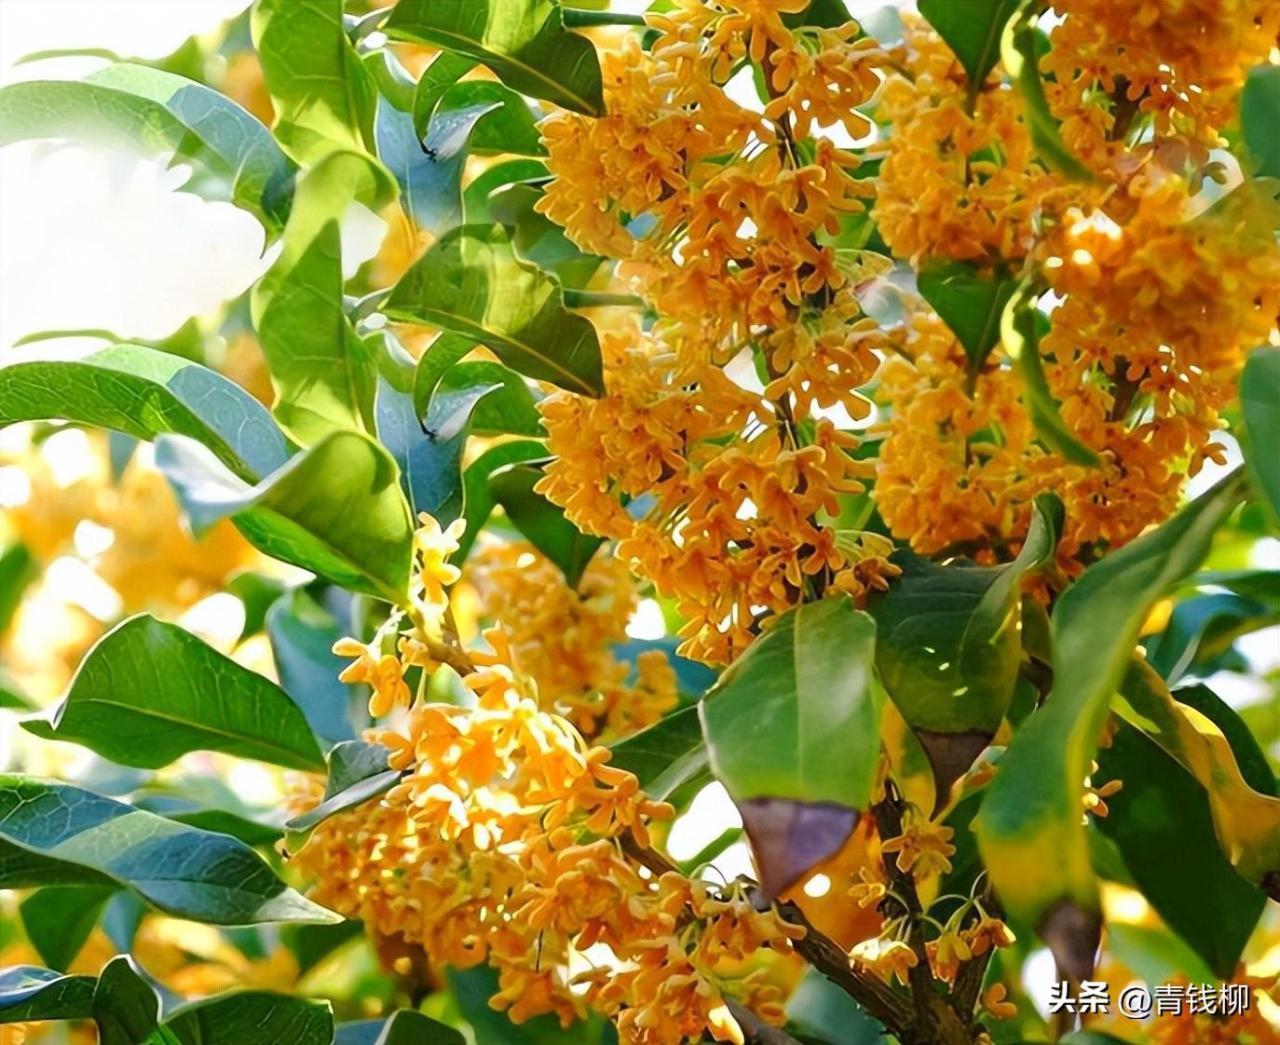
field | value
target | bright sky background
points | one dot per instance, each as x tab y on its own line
93	238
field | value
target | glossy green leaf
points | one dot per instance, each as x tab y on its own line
477	498
149	693
335	509
1252	761
793	732
429	170
158	112
1020	330
969	302
667	755
472	283
302	634
1260	401
1033	806
59	919
542	523
433	364
252	1018
793	716
405	1027
145	393
357	773
475	198
1202	627
524	42
1246	821
510	126
430	453
322	94
322	372
251	832
29	993
126	1007
1260	116
972	30
949	646
509	408
1160	821
53	833
1023	62
445	70
536	238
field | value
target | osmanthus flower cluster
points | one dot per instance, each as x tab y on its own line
1157	296
724	219
510	840
564	636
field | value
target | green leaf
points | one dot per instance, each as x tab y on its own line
149	693
1202	627
29	993
322	94
537	239
509	408
1023	62
969	302
1160	821
948	643
357	773
524	42
126	1007
430	454
475	197
1249	756
972	30
158	112
433	364
1020	330
949	647
405	1027
472	283
818	1010
258	593
1246	821
478	500
322	372
445	70
145	393
667	755
793	732
1033	805
18	570
53	833
335	509
429	171
302	634
220	821
542	522
1260	116
252	1018
1260	402
59	919
510	126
